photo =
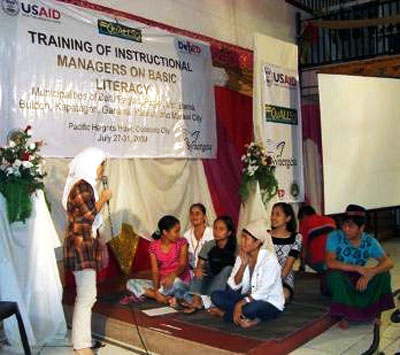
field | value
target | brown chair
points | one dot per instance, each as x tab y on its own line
8	309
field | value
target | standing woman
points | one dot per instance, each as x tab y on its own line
81	245
199	234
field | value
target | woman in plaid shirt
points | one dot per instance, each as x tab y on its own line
81	245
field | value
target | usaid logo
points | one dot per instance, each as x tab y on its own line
13	8
274	77
10	7
188	47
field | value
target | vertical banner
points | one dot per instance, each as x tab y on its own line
80	78
282	133
277	114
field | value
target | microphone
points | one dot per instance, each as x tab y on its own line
104	180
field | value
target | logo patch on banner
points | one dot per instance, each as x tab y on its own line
281	114
187	47
14	8
275	77
10	7
117	30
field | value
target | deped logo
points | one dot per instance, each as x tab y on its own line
188	47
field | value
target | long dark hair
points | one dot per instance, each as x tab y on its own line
287	209
166	223
230	225
200	206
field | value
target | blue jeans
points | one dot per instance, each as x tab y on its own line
178	289
208	284
226	301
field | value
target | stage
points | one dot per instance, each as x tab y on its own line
305	318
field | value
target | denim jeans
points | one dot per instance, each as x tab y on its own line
207	285
139	286
178	289
226	301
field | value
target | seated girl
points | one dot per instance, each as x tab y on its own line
199	234
215	262
287	244
169	264
359	293
256	291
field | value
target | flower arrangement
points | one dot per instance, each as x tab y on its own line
258	166
21	173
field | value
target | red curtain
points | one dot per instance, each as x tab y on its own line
311	124
234	129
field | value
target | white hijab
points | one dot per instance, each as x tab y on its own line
258	229
84	167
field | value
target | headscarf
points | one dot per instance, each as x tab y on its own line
258	230
84	167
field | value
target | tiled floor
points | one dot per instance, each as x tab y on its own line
62	348
353	341
358	338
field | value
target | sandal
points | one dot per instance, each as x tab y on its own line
130	299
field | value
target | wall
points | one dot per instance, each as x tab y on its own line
232	21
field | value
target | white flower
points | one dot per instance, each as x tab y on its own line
243	158
29	132
32	146
39	169
27	164
9	171
12	144
17	163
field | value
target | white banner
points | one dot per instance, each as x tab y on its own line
80	78
282	130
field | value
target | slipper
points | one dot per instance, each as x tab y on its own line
98	345
190	310
130	299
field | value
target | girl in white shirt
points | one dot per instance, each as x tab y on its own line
256	291
199	234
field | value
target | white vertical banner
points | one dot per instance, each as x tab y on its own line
282	136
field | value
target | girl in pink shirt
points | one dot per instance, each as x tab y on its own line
169	264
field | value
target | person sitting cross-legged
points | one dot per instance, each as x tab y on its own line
215	262
359	292
256	292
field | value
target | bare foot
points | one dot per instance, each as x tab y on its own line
344	324
173	302
197	302
214	311
249	323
